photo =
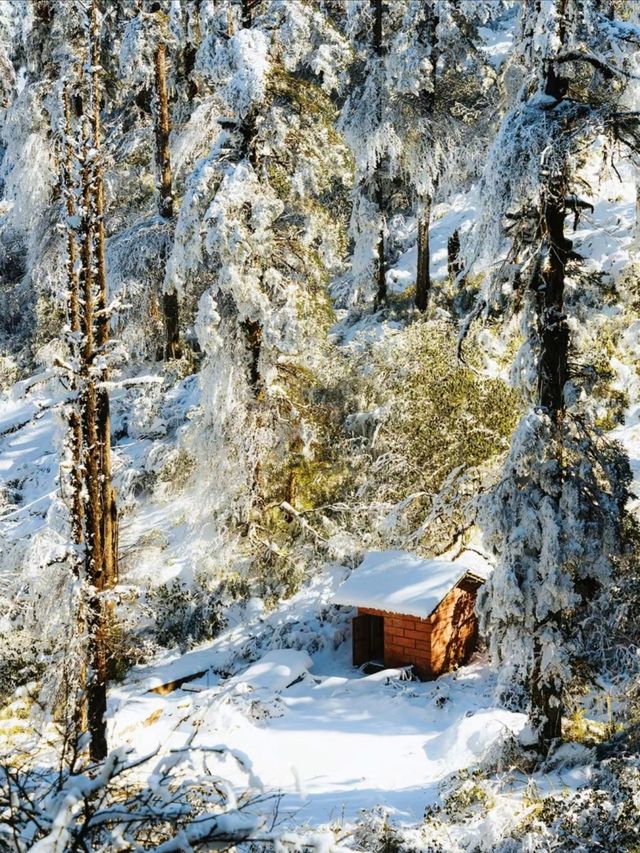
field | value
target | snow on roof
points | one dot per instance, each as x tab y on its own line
400	582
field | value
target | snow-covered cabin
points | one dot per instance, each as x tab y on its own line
413	611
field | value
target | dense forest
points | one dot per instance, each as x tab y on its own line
309	306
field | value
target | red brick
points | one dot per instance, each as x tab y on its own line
416	635
423	645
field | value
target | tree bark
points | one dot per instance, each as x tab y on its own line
427	99
192	22
252	328
546	692
108	504
381	271
75	425
546	701
170	304
552	368
96	519
454	263
423	276
253	335
73	314
381	267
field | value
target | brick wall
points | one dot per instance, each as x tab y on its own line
454	631
434	645
407	640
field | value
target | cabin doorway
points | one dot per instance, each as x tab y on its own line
368	639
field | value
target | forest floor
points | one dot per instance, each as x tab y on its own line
314	729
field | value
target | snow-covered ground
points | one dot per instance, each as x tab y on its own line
313	728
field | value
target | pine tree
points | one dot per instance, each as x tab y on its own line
402	120
254	223
554	518
162	121
93	507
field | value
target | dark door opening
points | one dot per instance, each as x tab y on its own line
376	629
368	639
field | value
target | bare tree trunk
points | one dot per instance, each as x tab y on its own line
73	314
99	504
423	276
170	305
94	551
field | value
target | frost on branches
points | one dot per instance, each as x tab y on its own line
254	225
554	519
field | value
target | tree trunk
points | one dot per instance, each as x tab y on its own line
429	28
546	701
552	368
454	262
253	335
73	314
423	276
170	305
98	521
192	23
546	692
252	328
108	507
381	272
381	269
75	425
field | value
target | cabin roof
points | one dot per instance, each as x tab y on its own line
400	582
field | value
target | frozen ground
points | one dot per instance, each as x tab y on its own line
333	741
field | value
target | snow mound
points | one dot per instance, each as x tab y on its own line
274	672
470	739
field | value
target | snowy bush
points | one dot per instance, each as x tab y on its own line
126	802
